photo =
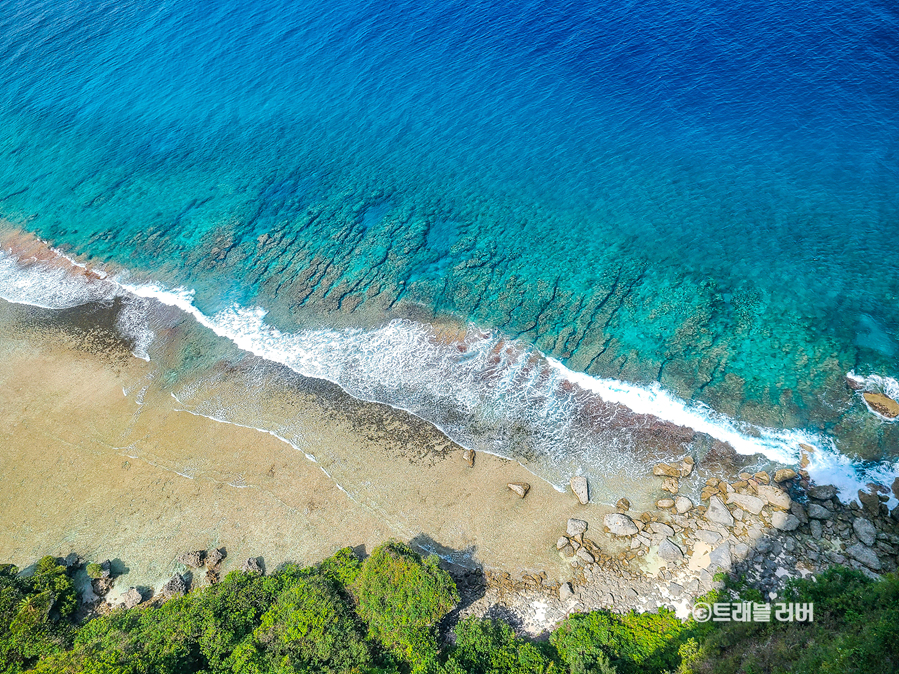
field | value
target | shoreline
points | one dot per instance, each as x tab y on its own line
99	473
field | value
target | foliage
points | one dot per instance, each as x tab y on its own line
491	647
379	617
401	597
94	570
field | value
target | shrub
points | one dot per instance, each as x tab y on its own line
94	571
401	597
491	647
343	567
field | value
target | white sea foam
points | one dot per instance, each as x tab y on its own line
481	390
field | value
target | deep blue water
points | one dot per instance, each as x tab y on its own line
700	193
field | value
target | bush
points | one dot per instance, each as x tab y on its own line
343	567
401	597
94	571
491	647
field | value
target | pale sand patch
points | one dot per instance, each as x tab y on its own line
86	469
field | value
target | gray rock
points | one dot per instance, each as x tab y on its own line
131	598
775	497
682	504
576	527
717	512
561	543
192	559
586	555
675	589
748	503
568	551
175	586
741	551
251	566
784	521
620	525
822	492
708	537
669	551
797	509
865	555
215	557
581	489
818	512
816	529
865	531
720	557
661	528
565	591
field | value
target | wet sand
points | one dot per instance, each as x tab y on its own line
86	468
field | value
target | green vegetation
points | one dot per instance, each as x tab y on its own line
380	616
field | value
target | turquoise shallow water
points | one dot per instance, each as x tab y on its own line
699	195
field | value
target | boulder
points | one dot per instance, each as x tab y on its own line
620	525
665	503
784	521
175	586
251	566
686	466
568	551
816	529
865	531
669	551
865	555
468	456
823	492
708	537
818	512
581	489
520	488
666	470
751	504
192	559
682	504
561	543
776	498
623	505
131	598
661	528
720	557
784	474
585	554
797	509
565	591
883	405
576	527
870	502
671	484
717	512
895	487
215	557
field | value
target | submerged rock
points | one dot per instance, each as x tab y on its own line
623	505
665	503
580	489
620	525
670	484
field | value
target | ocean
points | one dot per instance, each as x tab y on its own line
513	220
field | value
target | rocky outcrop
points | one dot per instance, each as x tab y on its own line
131	598
251	565
175	586
194	560
883	405
215	557
581	489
